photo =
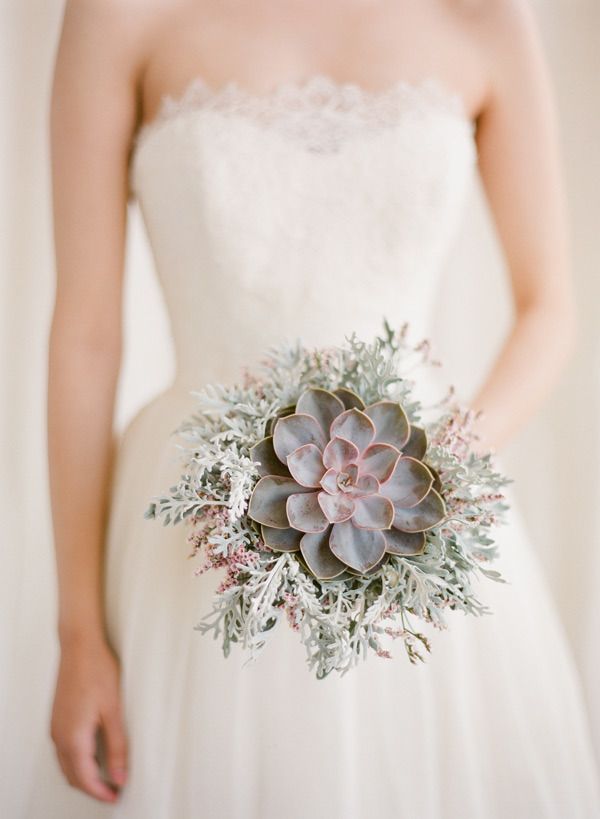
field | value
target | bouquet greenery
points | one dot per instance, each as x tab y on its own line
323	494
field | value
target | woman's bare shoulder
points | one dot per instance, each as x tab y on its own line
108	43
122	10
505	36
132	23
103	49
497	22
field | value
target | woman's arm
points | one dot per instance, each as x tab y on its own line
520	167
93	114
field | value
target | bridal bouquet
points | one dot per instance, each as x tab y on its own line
320	492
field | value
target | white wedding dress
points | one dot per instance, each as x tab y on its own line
310	212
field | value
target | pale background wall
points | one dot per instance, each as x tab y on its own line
555	459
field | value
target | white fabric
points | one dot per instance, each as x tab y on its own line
259	232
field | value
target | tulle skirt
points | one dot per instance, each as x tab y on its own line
490	726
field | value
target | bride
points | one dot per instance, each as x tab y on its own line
300	167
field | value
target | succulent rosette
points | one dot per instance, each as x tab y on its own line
344	484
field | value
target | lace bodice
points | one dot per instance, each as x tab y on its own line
320	113
312	211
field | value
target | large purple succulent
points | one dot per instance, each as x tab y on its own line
344	483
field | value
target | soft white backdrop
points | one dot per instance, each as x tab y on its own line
554	459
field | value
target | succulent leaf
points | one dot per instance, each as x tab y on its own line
361	549
322	405
281	413
404	543
329	481
354	426
294	431
304	512
306	465
437	481
269	498
318	556
339	453
425	515
373	512
379	460
282	540
365	485
372	570
391	423
416	446
338	507
264	455
349	398
409	483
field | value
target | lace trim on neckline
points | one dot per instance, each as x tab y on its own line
320	111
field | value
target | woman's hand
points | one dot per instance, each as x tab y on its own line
87	702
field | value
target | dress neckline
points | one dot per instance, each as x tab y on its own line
318	92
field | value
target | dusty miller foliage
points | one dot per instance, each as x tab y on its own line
343	620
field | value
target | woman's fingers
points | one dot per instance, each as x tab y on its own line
82	771
115	742
86	725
